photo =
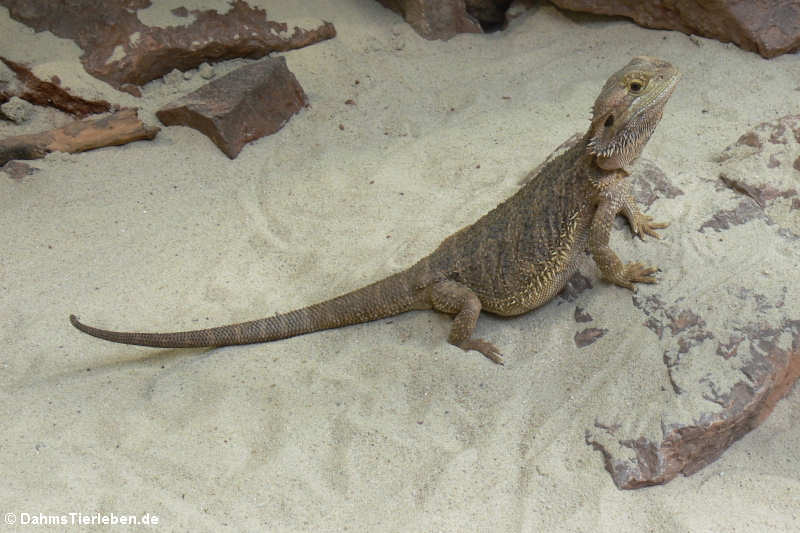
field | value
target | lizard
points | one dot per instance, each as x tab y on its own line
516	257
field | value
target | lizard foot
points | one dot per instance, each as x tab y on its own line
486	348
644	225
636	273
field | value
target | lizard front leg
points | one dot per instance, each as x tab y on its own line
611	267
458	299
641	224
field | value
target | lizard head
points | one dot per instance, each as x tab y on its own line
628	110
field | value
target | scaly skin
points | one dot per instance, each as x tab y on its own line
517	256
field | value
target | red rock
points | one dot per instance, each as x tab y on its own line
45	93
687	448
769	28
249	103
119	49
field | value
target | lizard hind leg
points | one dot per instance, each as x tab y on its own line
459	300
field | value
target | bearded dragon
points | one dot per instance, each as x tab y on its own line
516	257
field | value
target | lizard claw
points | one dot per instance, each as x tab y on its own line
638	273
633	273
486	348
644	225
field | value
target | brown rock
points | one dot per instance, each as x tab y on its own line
773	367
121	50
760	166
581	315
587	336
574	287
249	103
724	219
727	333
17	170
652	184
769	28
436	19
44	93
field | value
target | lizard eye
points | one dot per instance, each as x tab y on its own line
609	121
635	86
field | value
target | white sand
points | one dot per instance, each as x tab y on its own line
377	427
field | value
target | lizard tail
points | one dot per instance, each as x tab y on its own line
390	296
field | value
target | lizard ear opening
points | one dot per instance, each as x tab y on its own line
604	131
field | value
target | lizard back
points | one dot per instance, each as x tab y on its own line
518	255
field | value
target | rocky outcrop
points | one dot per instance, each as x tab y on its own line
730	345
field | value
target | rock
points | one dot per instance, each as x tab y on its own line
728	336
581	315
761	166
767	357
206	71
17	110
769	28
435	19
249	103
121	50
588	336
174	77
577	284
23	84
17	170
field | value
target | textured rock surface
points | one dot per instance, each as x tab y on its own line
121	50
769	28
435	19
730	350
17	80
764	165
16	110
250	102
